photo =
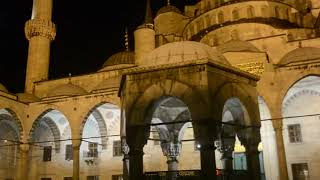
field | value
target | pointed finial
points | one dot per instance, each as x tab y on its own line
126	37
148	17
69	77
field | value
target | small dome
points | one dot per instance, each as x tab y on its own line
183	51
67	90
27	98
3	88
124	57
299	55
168	8
237	46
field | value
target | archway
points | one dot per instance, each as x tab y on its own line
236	144
49	140
100	139
300	109
10	133
172	115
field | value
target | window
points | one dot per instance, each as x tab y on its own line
47	150
93	149
250	12
45	178
92	177
264	11
69	151
294	131
117	148
300	171
117	177
277	12
235	14
220	17
67	178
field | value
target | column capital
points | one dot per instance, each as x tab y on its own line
40	27
171	150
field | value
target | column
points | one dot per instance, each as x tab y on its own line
278	126
125	151
283	170
226	148
208	161
22	172
76	143
253	163
171	151
135	163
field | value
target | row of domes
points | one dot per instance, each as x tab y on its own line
190	50
183	51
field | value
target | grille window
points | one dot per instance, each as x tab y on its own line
294	131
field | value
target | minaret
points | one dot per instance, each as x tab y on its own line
40	31
144	37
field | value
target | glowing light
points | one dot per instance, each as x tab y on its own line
198	146
5	141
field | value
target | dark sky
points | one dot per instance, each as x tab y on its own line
87	34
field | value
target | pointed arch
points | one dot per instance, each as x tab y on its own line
12	117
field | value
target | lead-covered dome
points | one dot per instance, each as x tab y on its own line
300	55
3	88
119	60
183	51
168	8
67	90
124	57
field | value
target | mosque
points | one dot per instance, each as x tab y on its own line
225	86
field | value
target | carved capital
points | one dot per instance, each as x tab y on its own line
125	148
171	150
40	27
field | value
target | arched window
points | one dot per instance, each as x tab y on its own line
277	12
235	14
220	17
213	19
250	12
264	11
207	20
287	14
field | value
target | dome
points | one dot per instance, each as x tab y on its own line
3	88
183	51
67	90
237	46
124	57
168	8
27	98
299	55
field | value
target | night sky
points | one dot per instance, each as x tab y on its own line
87	34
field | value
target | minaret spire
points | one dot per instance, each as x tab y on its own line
148	17
40	31
126	38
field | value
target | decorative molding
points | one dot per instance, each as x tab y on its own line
256	68
40	27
